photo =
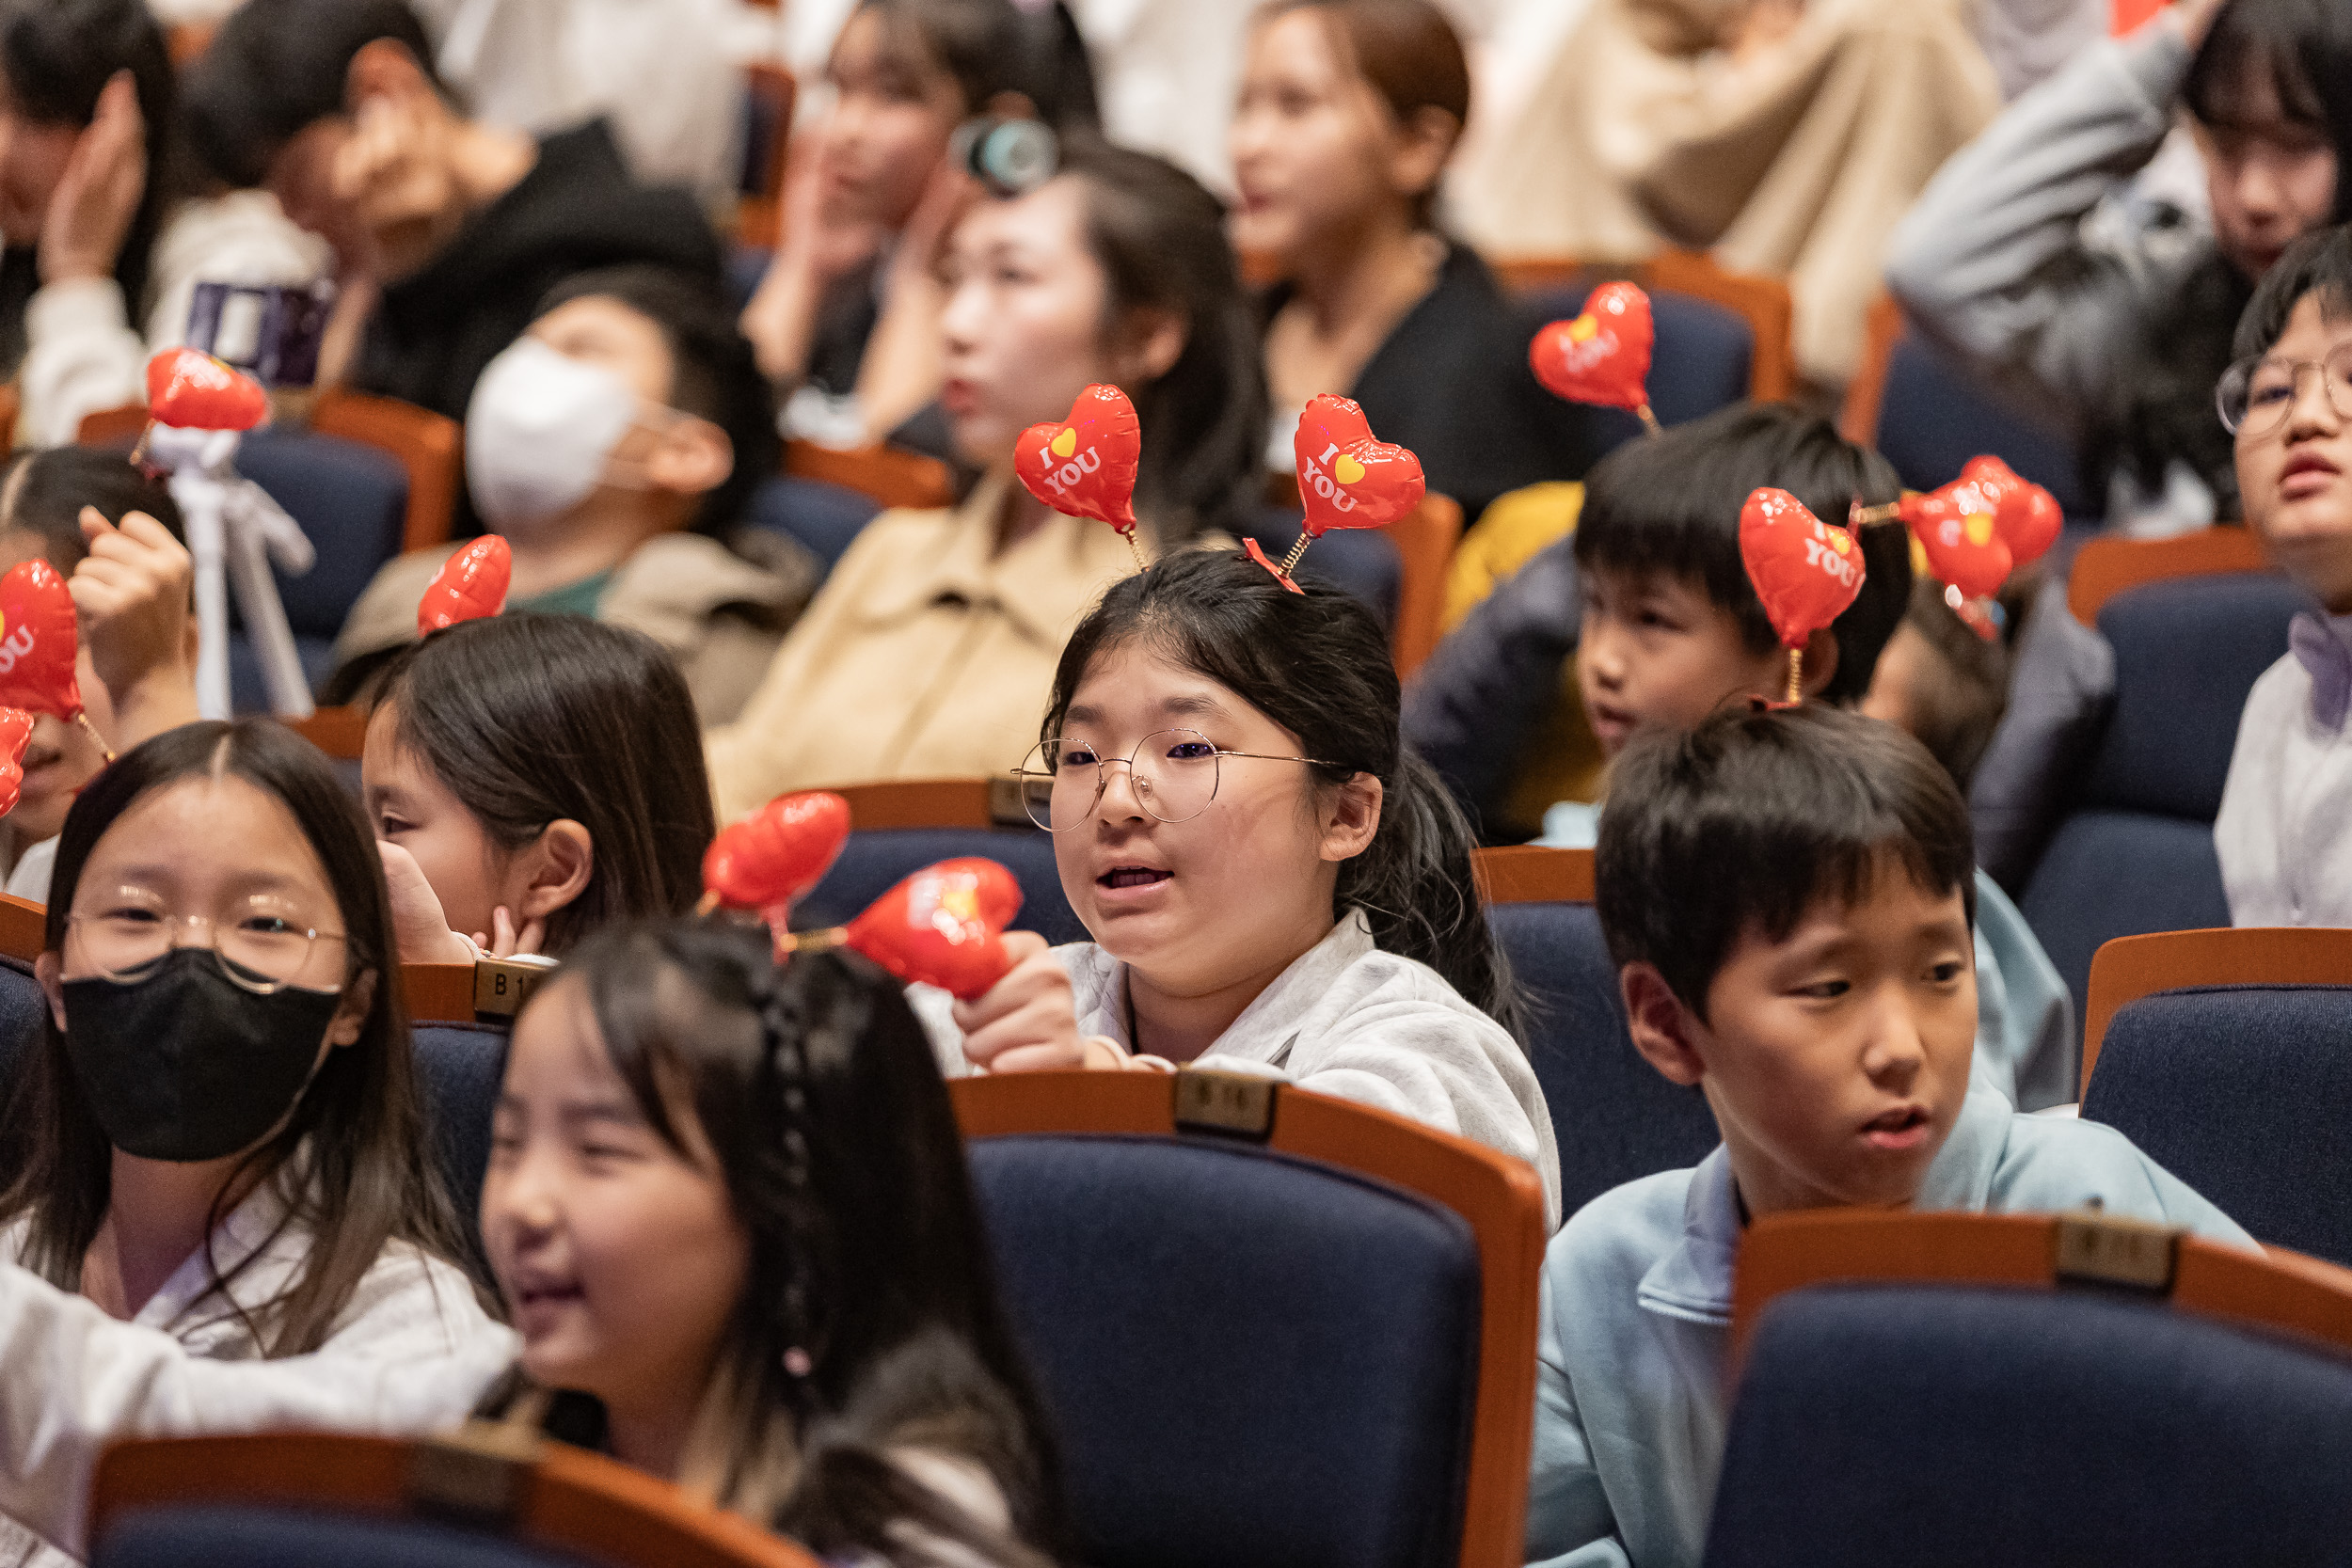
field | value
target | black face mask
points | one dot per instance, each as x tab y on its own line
185	1065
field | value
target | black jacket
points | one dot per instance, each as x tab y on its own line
1451	382
577	209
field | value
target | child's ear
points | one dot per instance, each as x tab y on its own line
1661	1025
352	1015
1351	815
49	969
1151	341
1820	660
560	864
693	456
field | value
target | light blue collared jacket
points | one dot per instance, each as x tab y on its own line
1630	1407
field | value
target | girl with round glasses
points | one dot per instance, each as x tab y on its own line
215	1156
1273	881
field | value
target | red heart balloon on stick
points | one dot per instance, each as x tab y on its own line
16	732
1346	478
469	586
37	641
942	926
777	853
1805	571
2027	517
1955	527
1085	467
1602	356
194	391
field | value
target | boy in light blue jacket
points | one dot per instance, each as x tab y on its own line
1789	897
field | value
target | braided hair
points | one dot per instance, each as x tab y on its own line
869	1318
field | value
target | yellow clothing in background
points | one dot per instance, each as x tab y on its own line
1563	760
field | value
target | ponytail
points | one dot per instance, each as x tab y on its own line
1316	663
1419	890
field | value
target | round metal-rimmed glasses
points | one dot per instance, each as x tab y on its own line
2255	394
1173	774
262	947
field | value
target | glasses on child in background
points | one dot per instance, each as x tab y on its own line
2255	394
1173	774
262	943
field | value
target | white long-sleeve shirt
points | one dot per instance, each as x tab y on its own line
411	1353
83	354
1346	1020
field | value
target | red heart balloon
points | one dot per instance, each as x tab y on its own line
470	585
1085	467
1346	478
1806	571
1602	356
944	925
16	732
2027	517
778	852
1954	526
195	391
36	640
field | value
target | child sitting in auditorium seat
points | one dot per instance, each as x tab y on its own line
1787	895
616	446
2286	859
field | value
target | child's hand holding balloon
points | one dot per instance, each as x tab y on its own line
1027	1022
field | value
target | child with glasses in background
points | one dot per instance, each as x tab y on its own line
2286	858
1275	882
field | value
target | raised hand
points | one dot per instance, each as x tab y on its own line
89	215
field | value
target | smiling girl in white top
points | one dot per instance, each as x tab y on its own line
1273	881
223	1214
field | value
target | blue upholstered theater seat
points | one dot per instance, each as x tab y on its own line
352	500
2244	1092
22	1009
825	518
459	1069
1249	1358
215	1536
1614	1117
1703	359
2135	852
1934	417
1956	1428
873	859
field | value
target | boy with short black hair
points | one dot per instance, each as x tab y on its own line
2282	836
1789	897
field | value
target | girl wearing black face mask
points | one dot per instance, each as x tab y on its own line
217	1156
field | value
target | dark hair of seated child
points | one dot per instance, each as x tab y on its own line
1670	504
42	493
1744	822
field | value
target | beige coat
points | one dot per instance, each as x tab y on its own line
1797	165
720	616
925	656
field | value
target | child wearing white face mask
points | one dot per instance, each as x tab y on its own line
615	446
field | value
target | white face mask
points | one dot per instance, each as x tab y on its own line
539	431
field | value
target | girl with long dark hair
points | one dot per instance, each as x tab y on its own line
1271	875
729	1205
217	1156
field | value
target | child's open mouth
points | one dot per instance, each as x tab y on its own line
1903	1128
1133	876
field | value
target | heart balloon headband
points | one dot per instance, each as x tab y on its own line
1975	532
944	925
1085	465
1602	356
1806	571
1345	478
37	646
189	390
470	585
